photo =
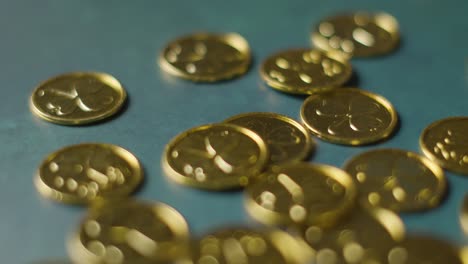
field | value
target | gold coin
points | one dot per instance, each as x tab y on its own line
216	157
397	180
80	173
301	193
126	231
349	116
206	57
464	215
305	71
78	98
446	142
359	34
287	140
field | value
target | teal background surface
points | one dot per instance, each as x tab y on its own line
426	80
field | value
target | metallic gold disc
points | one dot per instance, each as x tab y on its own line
287	140
206	57
349	116
216	157
127	231
359	34
301	193
446	142
305	71
78	98
81	173
398	180
464	215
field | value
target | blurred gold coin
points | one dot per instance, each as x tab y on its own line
446	142
301	193
397	180
126	231
78	98
286	139
359	34
464	215
349	116
80	173
206	57
216	157
305	71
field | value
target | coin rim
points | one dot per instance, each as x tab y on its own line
464	215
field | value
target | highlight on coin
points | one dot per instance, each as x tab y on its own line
464	215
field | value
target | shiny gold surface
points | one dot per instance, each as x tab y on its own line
217	157
301	193
446	142
305	71
78	98
398	180
358	34
286	139
206	57
81	173
349	116
464	215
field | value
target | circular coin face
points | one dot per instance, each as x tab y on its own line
349	116
305	71
359	34
206	57
446	142
217	157
78	98
397	180
80	173
286	139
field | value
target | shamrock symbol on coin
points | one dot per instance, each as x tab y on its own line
454	146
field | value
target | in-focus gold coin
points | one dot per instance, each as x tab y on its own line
446	142
80	173
359	34
206	57
464	215
216	157
349	116
126	231
397	180
78	98
301	193
305	71
287	140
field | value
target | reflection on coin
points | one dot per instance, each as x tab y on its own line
397	180
80	173
78	98
464	215
206	57
305	71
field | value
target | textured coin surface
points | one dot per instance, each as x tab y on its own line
359	34
446	142
217	157
206	57
127	231
398	180
464	215
349	116
301	193
80	173
78	98
305	71
286	139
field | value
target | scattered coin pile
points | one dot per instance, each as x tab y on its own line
313	213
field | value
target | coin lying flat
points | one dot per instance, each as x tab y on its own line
206	57
359	34
349	116
301	193
78	98
127	231
287	140
464	215
81	173
446	142
397	180
305	71
216	157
